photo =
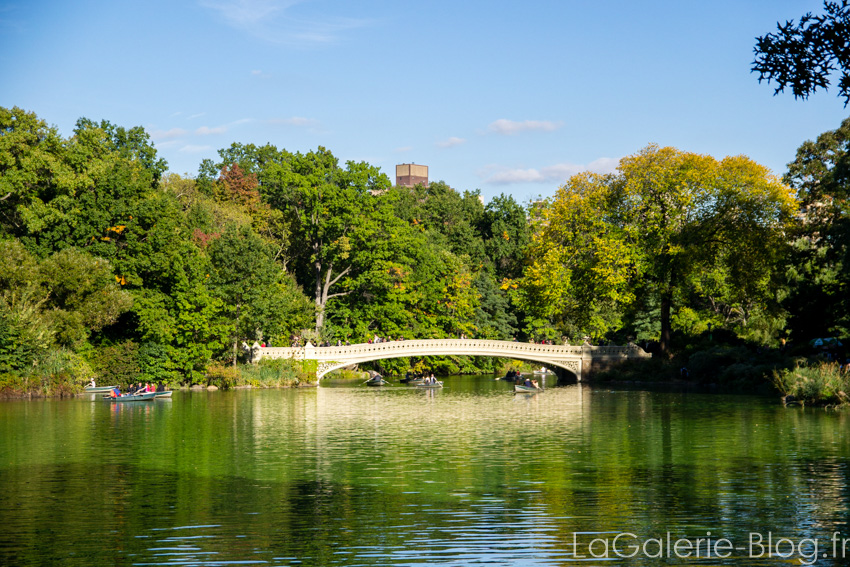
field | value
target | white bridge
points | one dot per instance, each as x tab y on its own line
578	360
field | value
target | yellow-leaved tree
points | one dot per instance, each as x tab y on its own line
682	229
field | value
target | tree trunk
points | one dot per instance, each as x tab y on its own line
666	300
323	291
236	336
320	305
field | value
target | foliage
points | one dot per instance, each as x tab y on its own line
817	275
83	295
221	376
59	300
116	364
328	212
274	373
803	56
818	384
683	229
154	363
259	298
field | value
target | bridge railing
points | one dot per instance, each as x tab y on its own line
436	347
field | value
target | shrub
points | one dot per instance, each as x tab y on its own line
818	384
117	364
13	386
709	363
221	376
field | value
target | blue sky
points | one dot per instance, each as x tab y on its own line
505	97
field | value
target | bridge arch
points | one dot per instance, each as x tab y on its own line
569	366
578	360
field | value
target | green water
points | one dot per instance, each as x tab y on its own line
468	475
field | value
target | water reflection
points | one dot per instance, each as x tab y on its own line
402	476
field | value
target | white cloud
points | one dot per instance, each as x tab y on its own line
246	13
273	21
198	115
403	149
511	127
557	173
603	165
163	135
451	142
207	131
193	149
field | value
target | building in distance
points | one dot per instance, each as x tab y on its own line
411	174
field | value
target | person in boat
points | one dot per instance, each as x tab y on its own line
116	392
528	383
534	384
92	384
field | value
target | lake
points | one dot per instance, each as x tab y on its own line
468	475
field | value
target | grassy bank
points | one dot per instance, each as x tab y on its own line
60	373
729	368
68	375
818	384
268	373
804	378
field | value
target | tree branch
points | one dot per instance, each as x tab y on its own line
340	294
336	279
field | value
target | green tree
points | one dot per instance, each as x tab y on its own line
58	301
25	330
260	299
71	193
670	224
330	208
83	295
818	268
32	165
505	229
584	259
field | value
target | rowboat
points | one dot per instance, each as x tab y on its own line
511	376
145	397
98	389
163	394
376	381
412	379
436	384
526	389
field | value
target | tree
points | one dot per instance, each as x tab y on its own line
61	301
803	56
671	224
583	258
71	193
260	299
25	330
32	165
83	295
333	209
505	230
817	274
